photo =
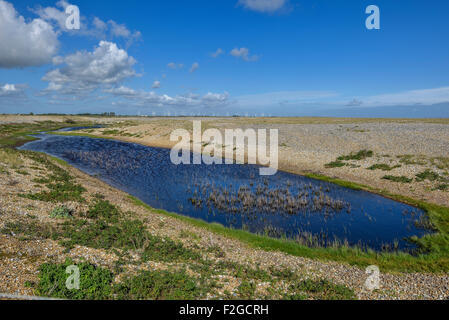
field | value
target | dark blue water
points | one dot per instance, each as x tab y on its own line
283	205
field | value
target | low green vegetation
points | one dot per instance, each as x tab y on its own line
246	290
383	167
60	184
409	159
400	179
430	176
111	132
61	212
16	134
95	282
103	209
159	285
335	164
131	235
30	229
361	155
166	249
11	158
320	290
106	227
98	283
441	163
103	226
116	132
442	187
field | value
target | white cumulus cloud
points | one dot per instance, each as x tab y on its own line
243	53
195	66
12	92
175	66
263	5
9	90
54	15
89	27
83	71
151	99
217	53
22	43
156	85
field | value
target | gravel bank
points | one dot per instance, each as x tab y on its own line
20	259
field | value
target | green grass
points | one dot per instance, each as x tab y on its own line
399	179
442	187
410	159
95	282
320	290
30	230
178	284
98	283
61	185
103	209
159	285
246	290
61	212
11	158
383	167
217	251
104	226
335	164
14	135
111	132
440	162
167	250
361	155
430	176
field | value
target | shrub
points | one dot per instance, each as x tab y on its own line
400	179
61	212
103	209
130	234
361	155
31	230
383	167
165	249
320	290
246	290
95	282
335	164
158	285
429	175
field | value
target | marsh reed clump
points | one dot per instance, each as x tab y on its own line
263	199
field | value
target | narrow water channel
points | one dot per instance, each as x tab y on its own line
283	205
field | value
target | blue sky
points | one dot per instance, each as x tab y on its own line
273	57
